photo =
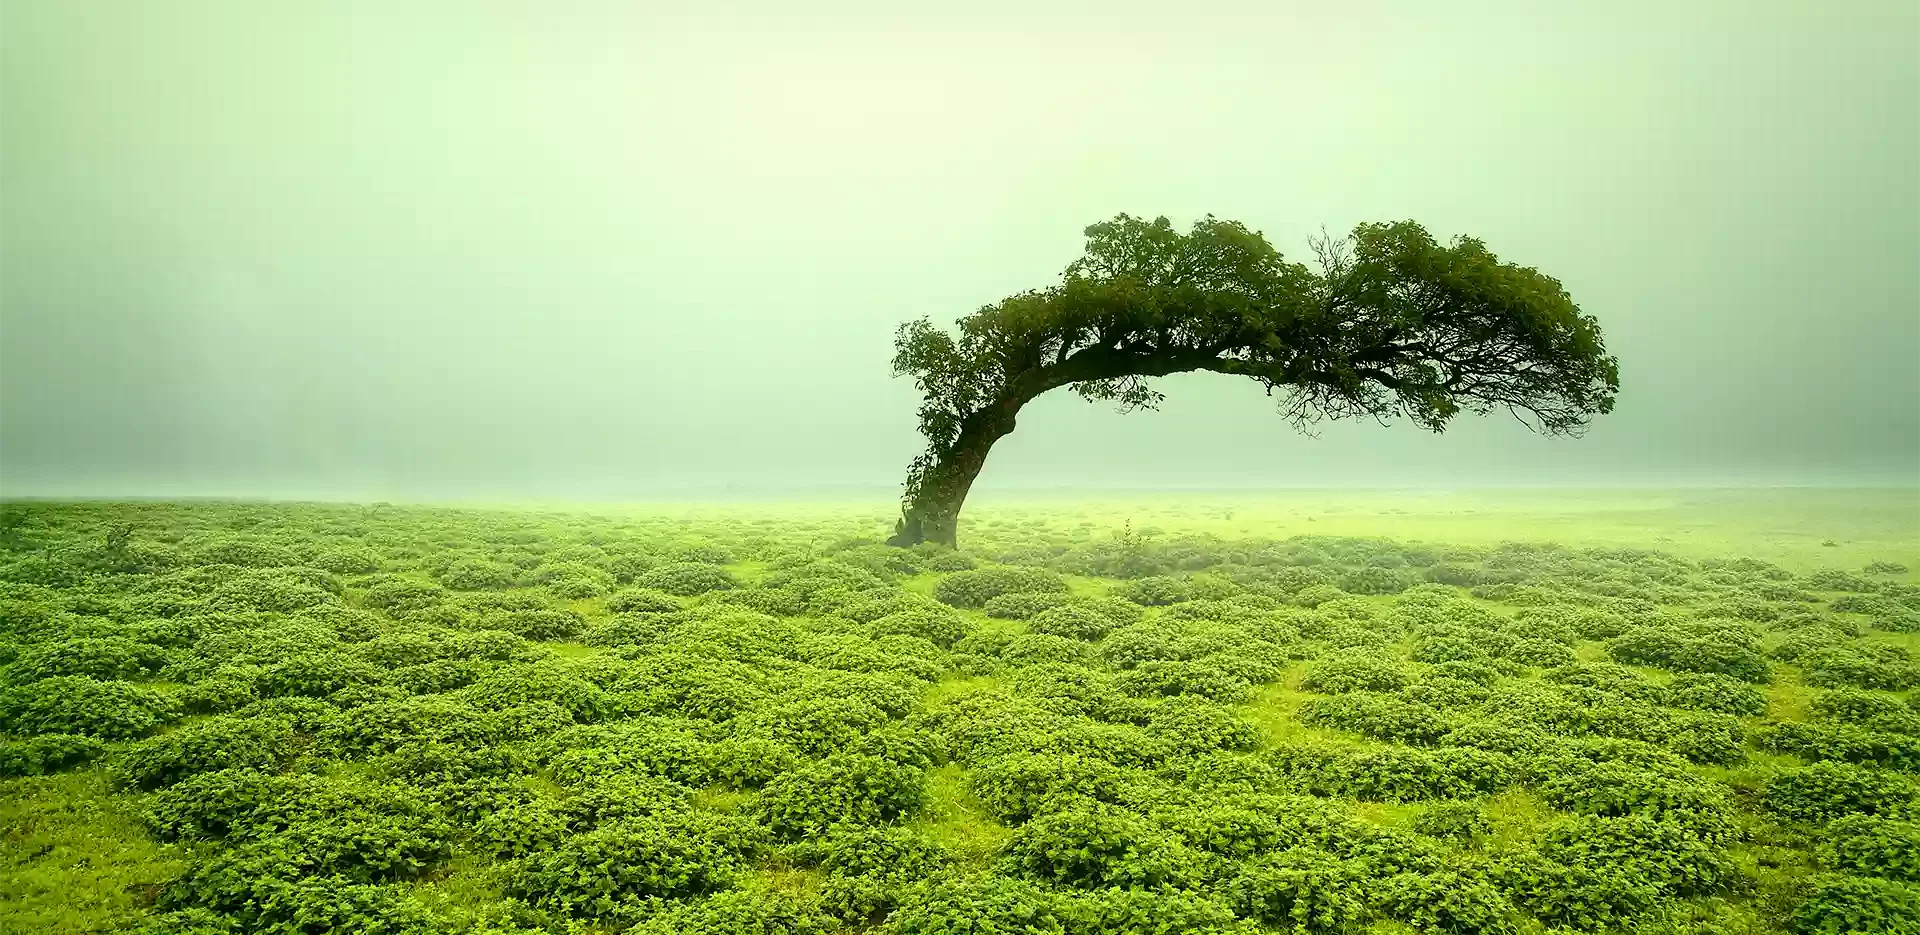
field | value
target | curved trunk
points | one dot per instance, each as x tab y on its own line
933	512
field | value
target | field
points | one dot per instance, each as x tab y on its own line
1652	711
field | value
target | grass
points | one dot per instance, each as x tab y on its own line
74	858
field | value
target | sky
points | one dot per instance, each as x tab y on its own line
556	249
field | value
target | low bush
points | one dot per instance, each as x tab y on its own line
1844	905
1826	791
74	704
976	587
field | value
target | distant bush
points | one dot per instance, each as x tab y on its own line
1300	889
1459	820
686	579
1020	605
1354	671
1705	691
1382	717
976	587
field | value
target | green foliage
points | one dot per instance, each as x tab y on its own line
686	579
1094	847
1846	905
47	753
976	587
1872	847
1302	890
1825	791
856	788
74	704
607	873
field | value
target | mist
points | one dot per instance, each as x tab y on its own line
605	251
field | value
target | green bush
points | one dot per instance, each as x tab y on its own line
1849	905
102	658
976	905
846	788
1355	671
1448	902
738	911
1704	691
1017	787
976	587
1826	791
1381	717
606	874
1456	820
1872	847
47	753
1303	890
686	579
73	704
1021	605
1091	847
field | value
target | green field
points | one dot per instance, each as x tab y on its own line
1308	711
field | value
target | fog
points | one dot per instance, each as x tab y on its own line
604	250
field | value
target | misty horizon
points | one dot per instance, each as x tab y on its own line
438	251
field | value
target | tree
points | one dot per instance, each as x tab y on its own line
1392	323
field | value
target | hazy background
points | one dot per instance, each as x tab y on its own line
562	249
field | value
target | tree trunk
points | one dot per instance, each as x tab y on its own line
933	512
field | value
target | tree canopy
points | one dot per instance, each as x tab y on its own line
1389	322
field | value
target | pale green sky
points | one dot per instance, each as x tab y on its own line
409	249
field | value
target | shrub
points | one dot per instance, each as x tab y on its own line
1317	594
1884	567
1825	791
606	873
347	560
314	675
1846	905
1021	605
48	753
1354	671
397	595
737	911
1401	774
102	658
1382	717
1091	847
1873	847
1203	678
216	744
1072	621
976	905
1017	787
1304	890
1458	820
1446	901
1705	691
72	704
686	579
937	625
976	587
852	788
1194	725
1543	653
1665	855
479	574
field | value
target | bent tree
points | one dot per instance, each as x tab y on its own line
1390	323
